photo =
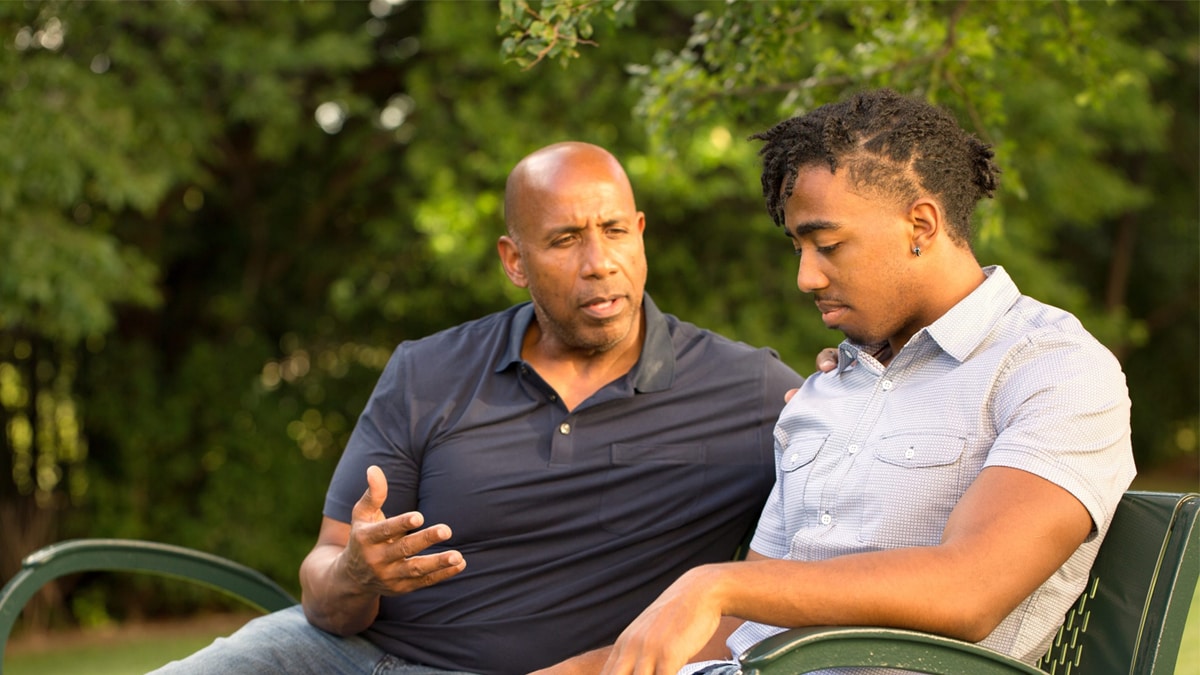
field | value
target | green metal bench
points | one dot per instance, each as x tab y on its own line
128	555
1130	619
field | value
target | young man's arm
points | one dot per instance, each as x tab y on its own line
1010	531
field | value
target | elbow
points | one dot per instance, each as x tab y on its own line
974	631
336	623
970	621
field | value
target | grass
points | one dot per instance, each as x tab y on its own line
122	650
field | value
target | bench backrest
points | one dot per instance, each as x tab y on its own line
1131	617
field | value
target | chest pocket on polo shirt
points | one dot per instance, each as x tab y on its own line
913	484
654	487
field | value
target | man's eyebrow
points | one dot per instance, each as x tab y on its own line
810	227
571	228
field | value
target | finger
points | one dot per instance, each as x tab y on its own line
417	542
370	505
392	529
424	571
827	359
434	568
790	393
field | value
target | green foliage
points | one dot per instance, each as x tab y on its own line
218	219
554	29
1083	102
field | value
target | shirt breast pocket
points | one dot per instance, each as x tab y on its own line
800	452
655	487
913	484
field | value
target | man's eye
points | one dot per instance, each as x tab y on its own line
796	252
827	249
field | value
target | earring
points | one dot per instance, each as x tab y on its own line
917	251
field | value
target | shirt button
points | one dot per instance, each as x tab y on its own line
564	428
826	519
853	448
887	384
553	397
795	457
908	454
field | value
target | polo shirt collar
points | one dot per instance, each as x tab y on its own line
655	368
959	331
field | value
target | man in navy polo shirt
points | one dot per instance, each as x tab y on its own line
576	454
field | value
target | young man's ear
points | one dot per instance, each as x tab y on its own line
510	258
927	220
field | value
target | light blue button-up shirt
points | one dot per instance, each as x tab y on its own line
872	457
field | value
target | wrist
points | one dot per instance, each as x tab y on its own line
711	587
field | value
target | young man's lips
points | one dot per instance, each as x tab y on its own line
830	310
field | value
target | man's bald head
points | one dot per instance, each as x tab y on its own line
546	171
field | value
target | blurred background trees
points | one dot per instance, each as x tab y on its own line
217	219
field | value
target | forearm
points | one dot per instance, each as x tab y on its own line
332	601
906	588
1008	534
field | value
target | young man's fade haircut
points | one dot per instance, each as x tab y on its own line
893	147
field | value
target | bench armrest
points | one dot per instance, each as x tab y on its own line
804	650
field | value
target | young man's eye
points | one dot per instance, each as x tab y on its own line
827	249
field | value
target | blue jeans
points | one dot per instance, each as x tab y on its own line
285	642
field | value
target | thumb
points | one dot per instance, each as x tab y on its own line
827	359
371	505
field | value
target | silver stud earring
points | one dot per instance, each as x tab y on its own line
917	251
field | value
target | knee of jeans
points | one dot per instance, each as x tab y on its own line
276	626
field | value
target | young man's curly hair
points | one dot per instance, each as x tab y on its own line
893	147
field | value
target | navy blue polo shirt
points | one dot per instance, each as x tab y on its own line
571	522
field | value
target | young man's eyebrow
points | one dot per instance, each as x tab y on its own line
811	226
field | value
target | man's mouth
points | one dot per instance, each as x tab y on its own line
603	307
831	311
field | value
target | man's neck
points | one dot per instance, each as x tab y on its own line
575	374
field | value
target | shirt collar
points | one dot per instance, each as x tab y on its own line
655	368
959	331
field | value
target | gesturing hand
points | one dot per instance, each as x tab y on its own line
382	556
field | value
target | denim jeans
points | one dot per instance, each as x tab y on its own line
284	642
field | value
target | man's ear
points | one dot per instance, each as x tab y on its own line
927	220
510	258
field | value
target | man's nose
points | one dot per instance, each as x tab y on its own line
809	277
598	259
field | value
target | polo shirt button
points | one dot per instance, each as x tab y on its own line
795	456
908	454
826	519
887	384
564	428
853	449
